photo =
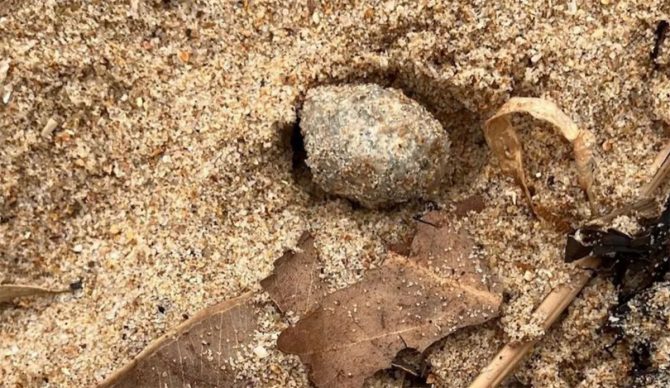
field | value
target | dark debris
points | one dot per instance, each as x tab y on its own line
636	261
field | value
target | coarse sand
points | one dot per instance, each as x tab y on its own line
144	151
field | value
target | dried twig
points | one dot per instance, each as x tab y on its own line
504	142
662	167
551	308
11	291
646	204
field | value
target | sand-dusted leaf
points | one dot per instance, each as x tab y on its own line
504	142
295	284
472	204
406	303
459	209
11	291
198	353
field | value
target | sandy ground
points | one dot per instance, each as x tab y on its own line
166	184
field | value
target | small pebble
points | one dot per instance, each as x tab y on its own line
4	69
372	145
260	351
7	94
49	128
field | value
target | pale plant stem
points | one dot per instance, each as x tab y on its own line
548	311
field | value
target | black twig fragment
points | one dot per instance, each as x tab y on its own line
659	38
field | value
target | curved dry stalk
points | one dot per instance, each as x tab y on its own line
662	167
504	142
549	310
644	206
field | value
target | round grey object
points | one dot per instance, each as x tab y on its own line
373	145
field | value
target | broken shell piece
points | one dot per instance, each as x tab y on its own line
49	128
373	145
4	69
7	94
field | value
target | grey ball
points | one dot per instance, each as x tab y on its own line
373	145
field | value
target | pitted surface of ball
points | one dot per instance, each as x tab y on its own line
373	145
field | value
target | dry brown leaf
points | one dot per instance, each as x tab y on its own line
197	353
295	284
561	224
458	209
11	291
504	142
407	302
474	204
403	245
